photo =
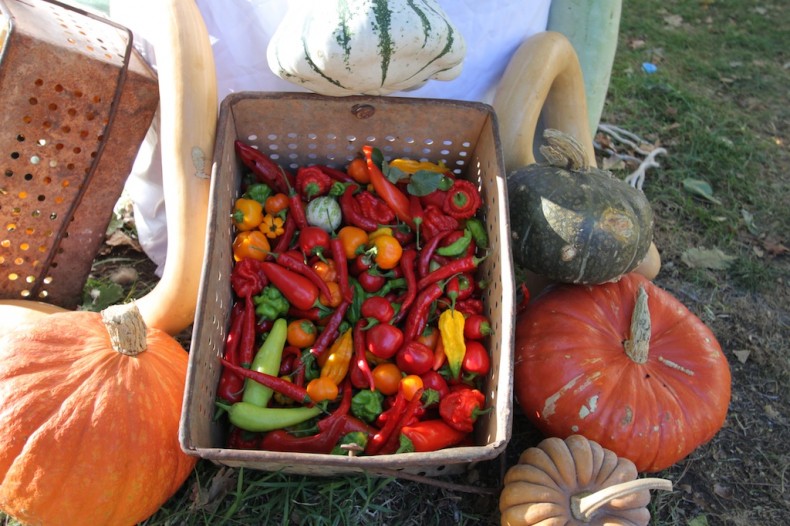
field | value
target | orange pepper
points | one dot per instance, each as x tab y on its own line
272	226
247	214
250	244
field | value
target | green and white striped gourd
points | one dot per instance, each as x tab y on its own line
365	47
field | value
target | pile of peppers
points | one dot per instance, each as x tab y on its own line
365	339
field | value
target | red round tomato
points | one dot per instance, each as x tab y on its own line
384	340
414	358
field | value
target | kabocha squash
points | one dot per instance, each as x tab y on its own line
365	47
574	482
543	82
573	223
188	110
624	364
89	419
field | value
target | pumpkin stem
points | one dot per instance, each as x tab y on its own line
563	151
638	345
127	330
583	507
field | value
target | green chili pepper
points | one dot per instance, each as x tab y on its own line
266	360
478	230
259	192
251	417
270	304
367	405
457	247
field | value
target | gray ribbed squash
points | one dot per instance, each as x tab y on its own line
574	223
365	47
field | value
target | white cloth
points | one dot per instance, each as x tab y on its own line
240	31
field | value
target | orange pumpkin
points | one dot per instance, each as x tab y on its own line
625	364
89	419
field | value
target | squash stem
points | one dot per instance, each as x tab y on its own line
638	345
584	507
126	327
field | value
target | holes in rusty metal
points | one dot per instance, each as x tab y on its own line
20	138
32	101
15	155
53	216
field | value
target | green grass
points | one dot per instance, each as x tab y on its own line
715	103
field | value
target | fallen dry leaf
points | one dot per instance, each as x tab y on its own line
713	258
742	356
673	20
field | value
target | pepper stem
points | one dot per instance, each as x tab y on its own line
584	506
126	327
638	345
563	151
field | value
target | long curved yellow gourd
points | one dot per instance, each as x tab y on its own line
188	109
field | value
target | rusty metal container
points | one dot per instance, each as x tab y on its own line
77	101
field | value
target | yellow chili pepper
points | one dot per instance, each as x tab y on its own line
410	166
247	214
250	244
272	226
335	365
451	328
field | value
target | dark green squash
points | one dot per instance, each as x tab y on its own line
574	223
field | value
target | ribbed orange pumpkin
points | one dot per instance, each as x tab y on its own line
89	412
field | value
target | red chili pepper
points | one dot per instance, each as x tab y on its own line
414	358
360	358
330	430
247	278
293	261
334	173
377	308
378	440
469	306
311	182
231	385
407	266
248	333
476	359
435	221
313	241
371	282
391	440
466	264
241	439
462	200
330	331
297	289
374	208
341	262
432	435
352	214
263	325
313	314
391	194
461	408
436	382
417	318
290	357
275	383
296	209
477	327
266	171
435	199
284	241
427	252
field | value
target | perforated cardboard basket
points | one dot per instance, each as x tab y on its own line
300	129
77	101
